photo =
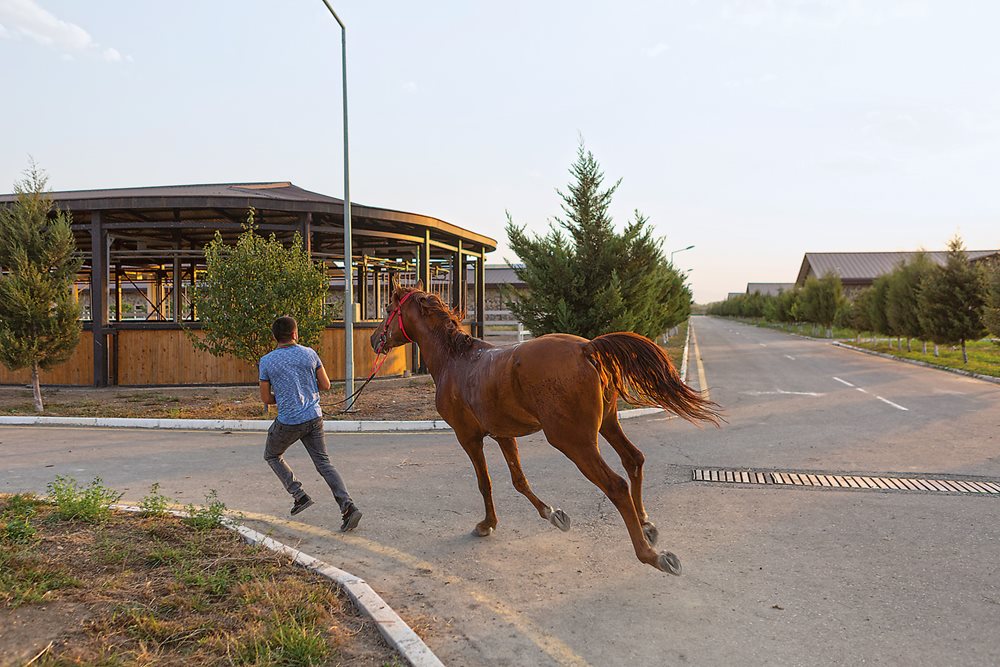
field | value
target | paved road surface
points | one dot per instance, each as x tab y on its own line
784	576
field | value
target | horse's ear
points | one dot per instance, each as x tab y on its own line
420	285
393	282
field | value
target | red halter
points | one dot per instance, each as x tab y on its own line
398	311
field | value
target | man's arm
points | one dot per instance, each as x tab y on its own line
322	379
266	395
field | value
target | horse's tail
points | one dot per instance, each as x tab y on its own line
643	374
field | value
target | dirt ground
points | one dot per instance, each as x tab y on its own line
151	590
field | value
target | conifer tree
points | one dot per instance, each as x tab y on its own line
585	278
39	318
951	300
991	313
820	300
901	307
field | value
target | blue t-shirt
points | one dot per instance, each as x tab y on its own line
292	373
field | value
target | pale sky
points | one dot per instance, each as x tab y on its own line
756	130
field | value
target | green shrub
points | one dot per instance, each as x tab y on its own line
209	516
91	503
155	503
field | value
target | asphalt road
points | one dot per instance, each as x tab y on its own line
786	576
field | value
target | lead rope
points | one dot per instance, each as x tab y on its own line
380	357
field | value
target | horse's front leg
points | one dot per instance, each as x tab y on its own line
473	446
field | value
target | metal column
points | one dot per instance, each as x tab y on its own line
98	297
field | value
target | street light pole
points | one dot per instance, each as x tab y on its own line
675	251
348	250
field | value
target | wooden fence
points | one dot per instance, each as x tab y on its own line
165	356
77	370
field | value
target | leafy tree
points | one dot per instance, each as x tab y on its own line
902	309
858	312
250	284
991	312
39	318
585	278
820	300
951	300
877	307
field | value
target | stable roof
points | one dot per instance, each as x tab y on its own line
861	268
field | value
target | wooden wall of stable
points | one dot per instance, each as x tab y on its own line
77	370
167	357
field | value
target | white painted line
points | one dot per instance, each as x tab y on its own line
788	356
863	391
895	405
782	392
762	344
843	381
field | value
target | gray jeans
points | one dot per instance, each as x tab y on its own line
282	436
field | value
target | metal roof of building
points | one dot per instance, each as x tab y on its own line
769	289
280	195
865	267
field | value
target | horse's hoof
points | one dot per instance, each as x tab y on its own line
651	533
560	520
482	531
669	563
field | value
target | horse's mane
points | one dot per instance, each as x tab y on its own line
447	319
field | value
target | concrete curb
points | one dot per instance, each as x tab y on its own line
330	426
917	362
684	357
393	629
255	425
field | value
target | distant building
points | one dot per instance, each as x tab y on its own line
498	277
769	289
733	295
860	269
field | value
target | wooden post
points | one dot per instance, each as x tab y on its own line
481	294
118	292
98	297
362	291
305	228
457	268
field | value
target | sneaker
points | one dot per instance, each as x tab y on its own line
352	515
301	504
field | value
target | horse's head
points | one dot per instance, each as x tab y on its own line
391	332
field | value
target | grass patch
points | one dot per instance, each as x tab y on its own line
984	356
161	591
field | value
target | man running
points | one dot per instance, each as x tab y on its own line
292	376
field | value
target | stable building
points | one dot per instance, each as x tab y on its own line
858	270
143	254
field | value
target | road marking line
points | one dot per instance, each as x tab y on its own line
843	381
863	391
701	367
548	644
762	344
895	405
788	356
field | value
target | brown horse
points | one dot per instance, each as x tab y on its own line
563	385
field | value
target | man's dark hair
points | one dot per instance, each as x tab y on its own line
283	328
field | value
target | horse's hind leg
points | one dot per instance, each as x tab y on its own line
473	446
583	451
632	461
556	517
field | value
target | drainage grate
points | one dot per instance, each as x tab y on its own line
846	481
